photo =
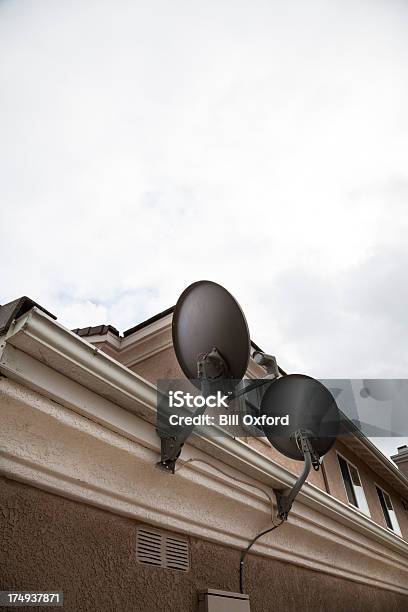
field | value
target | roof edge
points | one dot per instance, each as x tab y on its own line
15	309
153	319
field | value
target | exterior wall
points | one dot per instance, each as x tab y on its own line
263	446
51	543
160	365
401	459
368	479
82	427
334	480
163	364
53	447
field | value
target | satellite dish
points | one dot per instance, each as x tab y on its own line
310	406
208	322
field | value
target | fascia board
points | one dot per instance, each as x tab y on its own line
108	338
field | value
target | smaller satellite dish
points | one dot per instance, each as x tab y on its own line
208	321
309	405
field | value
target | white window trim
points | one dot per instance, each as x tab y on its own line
362	486
382	511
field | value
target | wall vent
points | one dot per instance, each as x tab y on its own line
158	548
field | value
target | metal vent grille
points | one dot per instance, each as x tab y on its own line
155	547
177	556
149	547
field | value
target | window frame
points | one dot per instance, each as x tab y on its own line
397	533
348	462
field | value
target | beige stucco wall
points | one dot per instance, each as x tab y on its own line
51	543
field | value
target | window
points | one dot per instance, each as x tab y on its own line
388	511
353	486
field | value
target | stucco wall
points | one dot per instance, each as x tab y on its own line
295	467
49	543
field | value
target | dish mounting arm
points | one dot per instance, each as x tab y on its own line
311	458
210	366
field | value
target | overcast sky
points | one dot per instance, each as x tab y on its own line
260	144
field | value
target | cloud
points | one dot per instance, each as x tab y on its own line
350	323
261	145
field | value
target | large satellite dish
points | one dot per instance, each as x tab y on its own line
207	321
310	406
